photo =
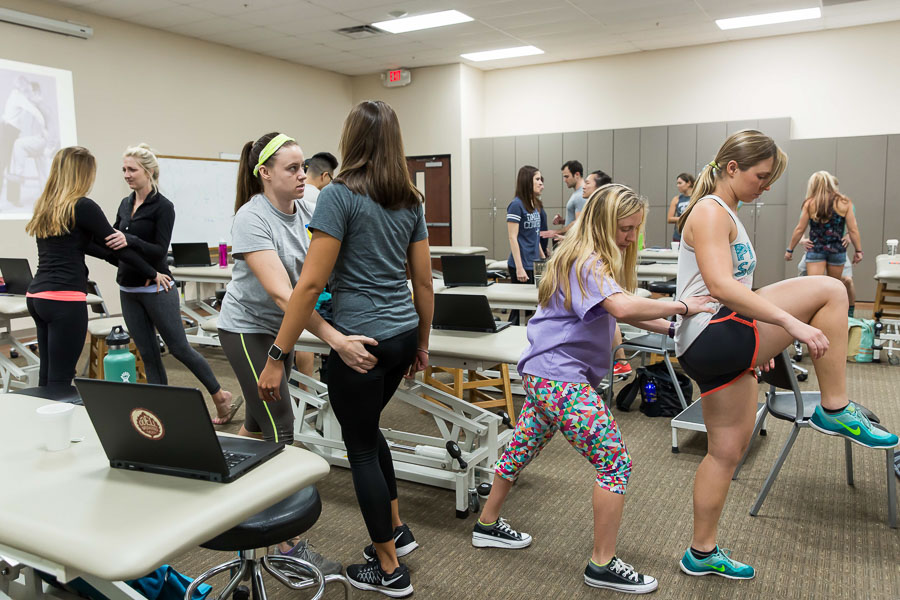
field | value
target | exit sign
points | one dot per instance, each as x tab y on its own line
396	78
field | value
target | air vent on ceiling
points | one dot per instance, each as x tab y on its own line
359	32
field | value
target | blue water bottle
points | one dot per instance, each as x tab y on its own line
649	392
119	362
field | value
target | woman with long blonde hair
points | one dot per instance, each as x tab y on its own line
721	352
68	225
369	225
827	212
585	289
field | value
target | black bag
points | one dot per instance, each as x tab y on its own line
667	403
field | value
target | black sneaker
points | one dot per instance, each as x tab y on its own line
403	541
371	576
498	535
618	576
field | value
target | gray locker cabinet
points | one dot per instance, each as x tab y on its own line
600	152
861	170
483	229
655	228
504	171
735	126
527	151
550	159
891	199
654	148
501	234
627	157
806	157
710	137
575	147
681	158
770	263
481	178
780	131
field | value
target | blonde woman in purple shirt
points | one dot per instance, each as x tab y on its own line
585	288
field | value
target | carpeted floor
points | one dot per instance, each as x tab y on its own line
815	537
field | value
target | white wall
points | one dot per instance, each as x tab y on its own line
835	83
429	114
183	96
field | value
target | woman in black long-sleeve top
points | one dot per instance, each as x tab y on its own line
144	223
67	226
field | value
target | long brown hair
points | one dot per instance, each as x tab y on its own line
71	177
594	234
248	184
374	161
747	148
525	188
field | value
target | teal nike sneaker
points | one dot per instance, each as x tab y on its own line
718	563
852	424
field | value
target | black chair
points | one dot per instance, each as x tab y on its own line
282	521
797	407
59	393
666	288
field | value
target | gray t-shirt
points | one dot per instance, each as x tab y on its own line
575	204
247	307
368	283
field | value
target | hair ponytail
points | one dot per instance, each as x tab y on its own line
146	158
747	148
248	184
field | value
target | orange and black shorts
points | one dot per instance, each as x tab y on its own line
725	351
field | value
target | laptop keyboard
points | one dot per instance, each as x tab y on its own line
233	459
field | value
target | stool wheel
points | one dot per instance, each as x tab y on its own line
241	593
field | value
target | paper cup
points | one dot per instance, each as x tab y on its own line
56	425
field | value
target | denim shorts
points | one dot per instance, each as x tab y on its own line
835	259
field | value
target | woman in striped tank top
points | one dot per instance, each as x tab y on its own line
720	351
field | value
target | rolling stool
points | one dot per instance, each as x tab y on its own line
282	521
666	288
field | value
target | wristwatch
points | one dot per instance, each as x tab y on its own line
276	353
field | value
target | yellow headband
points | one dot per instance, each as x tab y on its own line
714	164
271	148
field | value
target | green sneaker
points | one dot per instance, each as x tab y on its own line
852	424
718	563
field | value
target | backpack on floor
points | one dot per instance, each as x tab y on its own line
667	403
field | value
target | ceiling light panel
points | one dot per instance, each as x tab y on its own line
428	21
787	16
502	53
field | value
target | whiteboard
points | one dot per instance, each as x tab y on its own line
202	191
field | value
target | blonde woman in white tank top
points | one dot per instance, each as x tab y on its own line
748	330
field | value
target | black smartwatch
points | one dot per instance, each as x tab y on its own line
276	353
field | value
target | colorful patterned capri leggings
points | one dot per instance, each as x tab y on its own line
577	410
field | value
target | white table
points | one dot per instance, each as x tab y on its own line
69	514
657	272
659	255
512	296
437	251
193	304
11	374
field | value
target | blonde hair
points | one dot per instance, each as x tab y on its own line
594	236
147	160
71	177
821	195
747	148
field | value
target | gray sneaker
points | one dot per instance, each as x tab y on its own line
303	550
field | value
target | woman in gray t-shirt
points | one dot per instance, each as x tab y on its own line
368	226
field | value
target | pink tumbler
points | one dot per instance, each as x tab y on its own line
223	254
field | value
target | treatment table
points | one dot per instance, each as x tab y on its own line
887	306
70	515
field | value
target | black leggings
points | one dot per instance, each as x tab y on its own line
357	400
515	315
145	314
248	353
61	328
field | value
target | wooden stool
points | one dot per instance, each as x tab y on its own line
99	329
475	381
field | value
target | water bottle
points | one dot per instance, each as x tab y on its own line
223	254
649	392
119	362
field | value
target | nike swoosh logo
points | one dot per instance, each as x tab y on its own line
390	581
397	537
720	568
853	430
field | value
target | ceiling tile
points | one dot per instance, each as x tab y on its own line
208	27
243	36
235	8
328	23
125	9
169	17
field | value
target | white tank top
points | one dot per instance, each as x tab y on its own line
690	281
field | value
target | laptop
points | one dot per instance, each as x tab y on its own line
464	270
463	312
166	429
16	274
191	254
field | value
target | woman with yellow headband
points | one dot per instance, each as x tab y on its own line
368	227
269	244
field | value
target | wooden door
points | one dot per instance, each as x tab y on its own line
431	175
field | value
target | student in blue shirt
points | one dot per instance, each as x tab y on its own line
523	222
